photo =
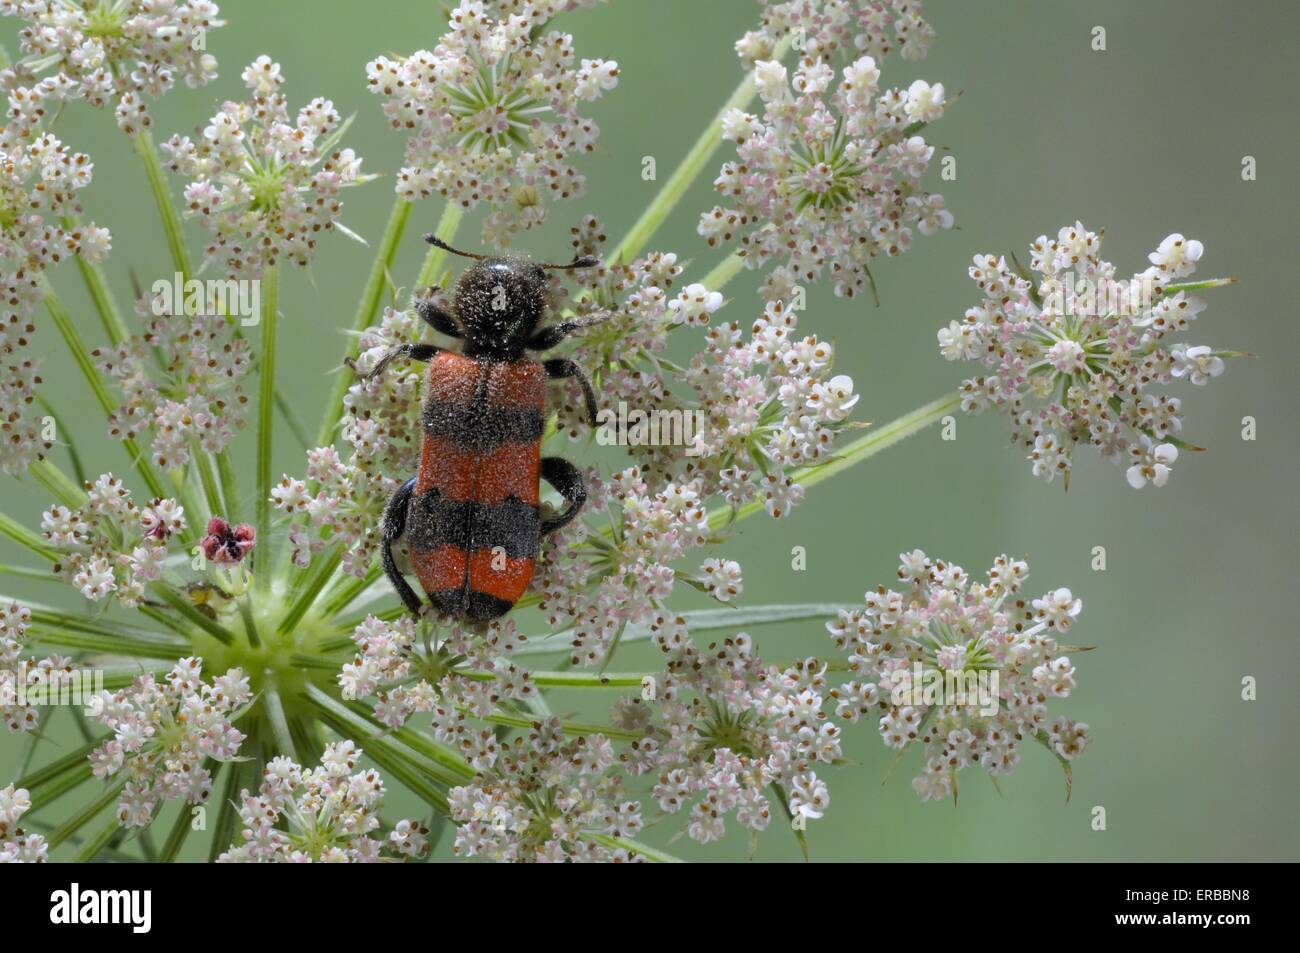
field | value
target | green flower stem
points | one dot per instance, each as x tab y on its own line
724	271
309	589
382	746
171	223
250	624
229	486
21	535
686	172
376	282
1199	285
211	490
651	854
109	644
279	724
77	347
568	727
23	572
69	780
223	831
854	453
68	764
86	814
91	848
183	824
572	679
265	417
93	276
434	258
341	596
58	483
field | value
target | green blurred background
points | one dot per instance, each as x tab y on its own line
1142	140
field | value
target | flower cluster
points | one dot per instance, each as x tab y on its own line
109	544
198	402
16	845
325	814
721	731
22	678
266	184
39	181
116	52
825	28
966	667
163	732
826	180
1074	352
467	674
492	113
762	405
547	799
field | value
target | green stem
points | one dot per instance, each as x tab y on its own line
310	590
854	453
651	854
724	271
1199	285
81	355
370	297
86	814
21	535
433	259
279	724
93	276
229	486
265	417
686	172
211	491
91	848
171	222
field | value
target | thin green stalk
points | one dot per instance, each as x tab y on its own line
652	854
70	780
371	295
229	486
81	355
21	535
434	258
64	489
56	769
86	814
341	596
265	417
105	305
23	572
1198	285
90	849
724	271
211	491
310	589
279	724
572	679
686	172
879	438
171	222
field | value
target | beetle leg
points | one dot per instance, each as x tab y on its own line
560	368
394	525
414	352
437	317
568	480
547	338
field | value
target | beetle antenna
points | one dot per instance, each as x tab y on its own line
437	242
579	261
